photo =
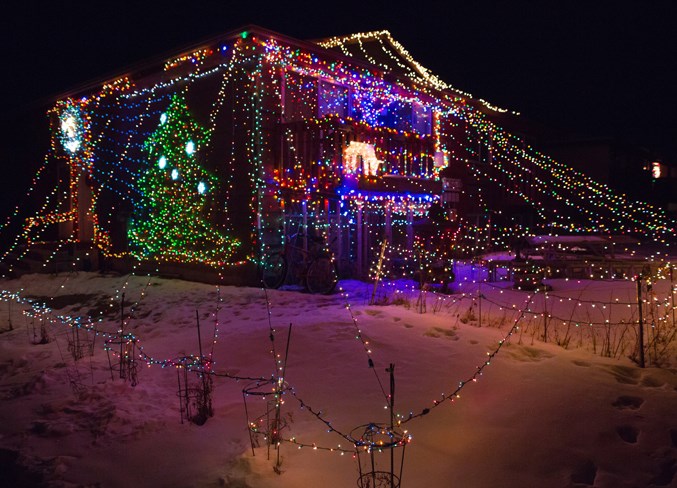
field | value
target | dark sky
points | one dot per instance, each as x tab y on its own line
598	67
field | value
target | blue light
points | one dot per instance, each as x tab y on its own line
201	187
162	162
163	118
175	174
190	147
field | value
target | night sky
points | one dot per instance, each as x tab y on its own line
596	67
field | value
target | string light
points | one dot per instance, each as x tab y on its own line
351	134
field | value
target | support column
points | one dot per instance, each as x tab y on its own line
389	222
410	227
360	244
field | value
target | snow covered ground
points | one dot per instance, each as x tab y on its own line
539	414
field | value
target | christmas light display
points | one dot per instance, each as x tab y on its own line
360	146
171	221
71	129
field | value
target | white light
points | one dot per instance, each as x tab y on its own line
69	130
175	174
69	126
201	187
656	169
163	118
190	147
162	162
73	146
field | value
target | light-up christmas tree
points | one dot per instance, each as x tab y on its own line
171	220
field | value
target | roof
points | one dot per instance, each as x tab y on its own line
380	49
377	48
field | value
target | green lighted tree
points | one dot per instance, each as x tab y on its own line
171	219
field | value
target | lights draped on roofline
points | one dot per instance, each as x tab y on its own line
424	74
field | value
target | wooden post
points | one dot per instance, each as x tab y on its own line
339	234
199	337
122	329
379	270
641	321
359	238
410	227
391	370
479	298
672	295
304	210
389	221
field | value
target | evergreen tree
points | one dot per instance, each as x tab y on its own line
172	219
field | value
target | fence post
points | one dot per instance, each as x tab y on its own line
641	321
672	294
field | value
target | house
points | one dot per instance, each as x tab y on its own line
204	163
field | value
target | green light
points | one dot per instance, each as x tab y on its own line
171	221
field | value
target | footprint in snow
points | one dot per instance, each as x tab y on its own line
529	354
651	382
584	474
667	470
628	433
627	402
625	374
441	332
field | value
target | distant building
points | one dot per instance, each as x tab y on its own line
627	167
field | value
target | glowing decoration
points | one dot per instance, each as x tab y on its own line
407	128
656	170
171	221
360	158
441	159
71	129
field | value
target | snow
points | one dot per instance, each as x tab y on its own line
538	415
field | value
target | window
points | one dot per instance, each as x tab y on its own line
300	97
421	119
397	115
333	100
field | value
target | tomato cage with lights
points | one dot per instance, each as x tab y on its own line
373	442
195	392
124	349
263	402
